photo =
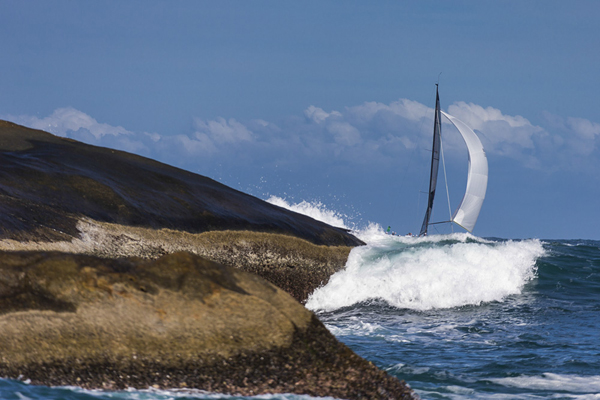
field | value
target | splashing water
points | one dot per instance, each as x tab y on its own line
456	316
460	317
422	273
425	273
315	210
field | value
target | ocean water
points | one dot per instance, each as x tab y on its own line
460	317
456	316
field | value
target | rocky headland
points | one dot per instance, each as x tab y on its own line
119	271
60	194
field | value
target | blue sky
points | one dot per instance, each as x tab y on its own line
328	101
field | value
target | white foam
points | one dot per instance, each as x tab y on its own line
354	326
170	394
21	396
554	382
441	271
460	390
374	234
315	210
438	271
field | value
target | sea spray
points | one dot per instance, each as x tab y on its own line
315	210
441	271
422	273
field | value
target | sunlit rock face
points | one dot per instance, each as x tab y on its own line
180	321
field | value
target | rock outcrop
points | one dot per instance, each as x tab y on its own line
178	321
63	195
116	271
48	183
295	265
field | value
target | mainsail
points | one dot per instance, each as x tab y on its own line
435	161
468	211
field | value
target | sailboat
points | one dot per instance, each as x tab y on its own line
467	212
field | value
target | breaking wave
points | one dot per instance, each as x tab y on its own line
422	273
441	271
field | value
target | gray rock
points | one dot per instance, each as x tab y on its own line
48	183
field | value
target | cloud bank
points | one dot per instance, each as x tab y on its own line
372	133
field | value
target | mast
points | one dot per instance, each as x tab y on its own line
435	161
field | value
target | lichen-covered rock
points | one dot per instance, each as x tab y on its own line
178	321
295	265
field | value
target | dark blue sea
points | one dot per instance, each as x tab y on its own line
455	316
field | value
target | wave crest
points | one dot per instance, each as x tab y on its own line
441	271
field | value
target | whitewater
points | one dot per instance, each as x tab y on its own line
456	316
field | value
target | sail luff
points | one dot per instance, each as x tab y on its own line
468	211
435	162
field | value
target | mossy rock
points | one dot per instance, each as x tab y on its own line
294	265
178	321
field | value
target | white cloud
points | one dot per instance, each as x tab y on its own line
476	116
319	115
411	110
194	146
344	133
574	138
65	120
407	109
584	128
221	131
155	137
368	134
585	135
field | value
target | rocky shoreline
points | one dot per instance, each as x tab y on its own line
295	265
178	321
313	364
118	271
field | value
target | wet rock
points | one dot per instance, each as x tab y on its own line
178	321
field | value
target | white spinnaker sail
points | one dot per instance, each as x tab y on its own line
467	212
